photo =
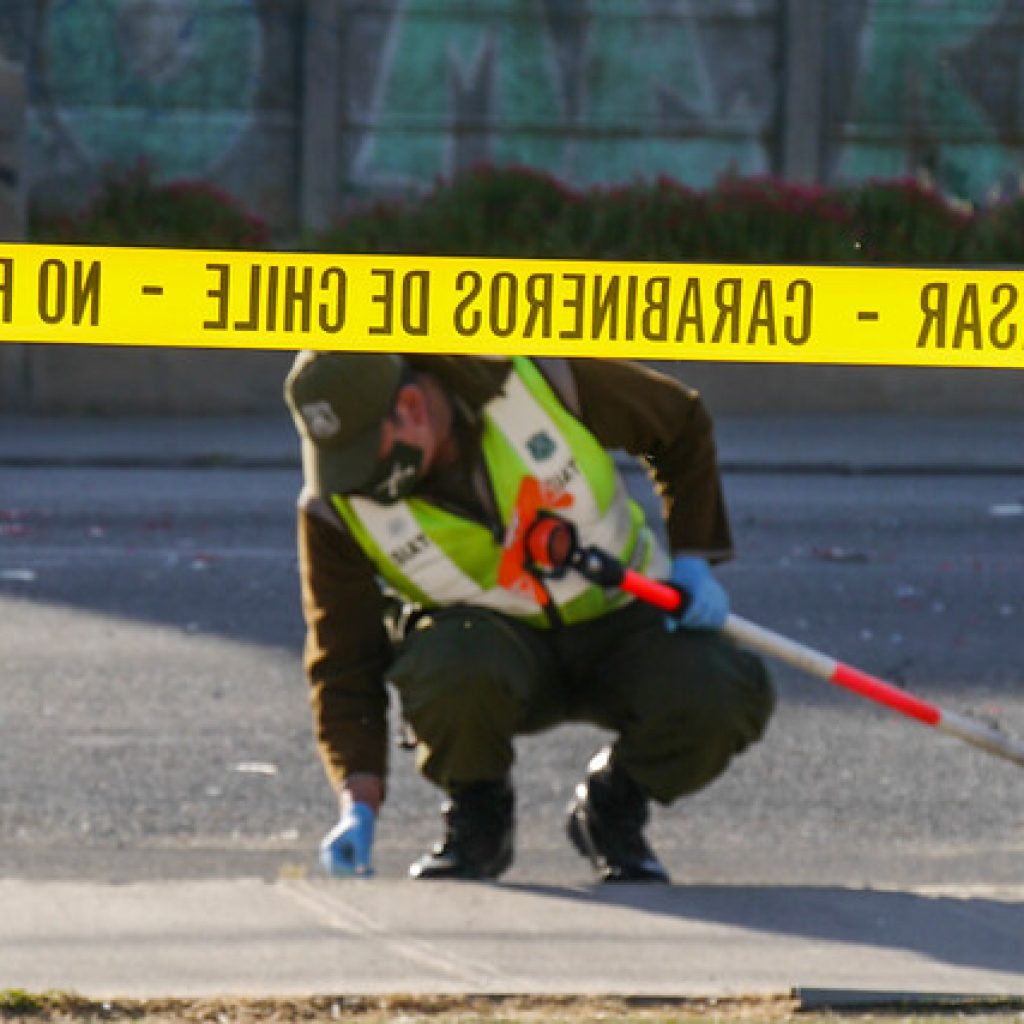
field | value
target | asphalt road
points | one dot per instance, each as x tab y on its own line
154	723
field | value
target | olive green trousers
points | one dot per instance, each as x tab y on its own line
680	703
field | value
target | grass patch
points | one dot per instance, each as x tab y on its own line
17	1001
69	1008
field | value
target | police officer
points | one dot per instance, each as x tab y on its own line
419	475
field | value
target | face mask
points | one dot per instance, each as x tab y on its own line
397	475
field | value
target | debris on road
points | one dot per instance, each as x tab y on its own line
845	556
1007	508
255	768
18	575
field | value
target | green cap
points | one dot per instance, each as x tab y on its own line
339	401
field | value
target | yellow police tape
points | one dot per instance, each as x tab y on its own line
468	305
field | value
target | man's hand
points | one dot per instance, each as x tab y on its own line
709	603
346	850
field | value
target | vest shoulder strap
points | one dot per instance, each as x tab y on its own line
321	508
558	373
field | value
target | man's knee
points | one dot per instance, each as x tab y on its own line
749	701
460	670
733	706
719	688
698	728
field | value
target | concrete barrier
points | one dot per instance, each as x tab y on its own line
79	380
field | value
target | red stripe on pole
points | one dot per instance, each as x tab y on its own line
884	693
661	595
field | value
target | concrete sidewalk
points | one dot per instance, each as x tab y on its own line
298	937
820	444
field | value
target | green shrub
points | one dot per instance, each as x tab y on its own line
520	212
513	211
659	220
387	226
509	211
768	220
129	208
19	1002
907	222
997	234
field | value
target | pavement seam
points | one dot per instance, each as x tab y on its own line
342	915
726	464
966	891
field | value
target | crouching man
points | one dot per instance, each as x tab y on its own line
419	474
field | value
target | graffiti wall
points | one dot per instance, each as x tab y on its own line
196	88
935	85
173	82
591	90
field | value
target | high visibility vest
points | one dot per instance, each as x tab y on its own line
532	446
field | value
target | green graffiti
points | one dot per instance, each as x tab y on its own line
643	101
653	106
494	57
911	111
172	81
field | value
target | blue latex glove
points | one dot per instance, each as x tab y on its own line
709	603
345	851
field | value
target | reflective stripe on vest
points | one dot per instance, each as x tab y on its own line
438	558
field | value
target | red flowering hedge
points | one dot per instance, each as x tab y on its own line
516	211
130	208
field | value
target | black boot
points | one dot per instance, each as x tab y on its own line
477	837
606	824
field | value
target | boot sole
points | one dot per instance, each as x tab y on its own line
459	873
582	840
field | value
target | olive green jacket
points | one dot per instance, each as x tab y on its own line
626	406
